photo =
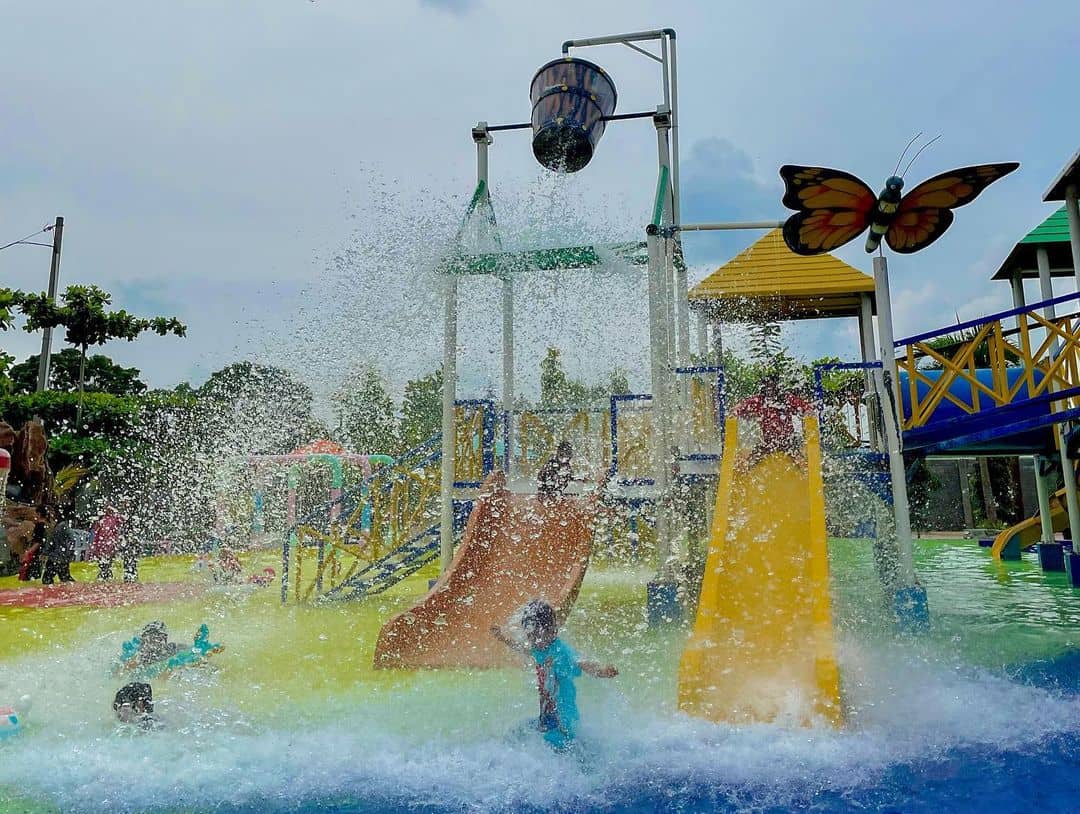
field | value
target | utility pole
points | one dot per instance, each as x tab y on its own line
54	279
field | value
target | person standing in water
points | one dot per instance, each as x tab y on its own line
557	665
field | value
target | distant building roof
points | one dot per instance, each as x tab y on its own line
1053	235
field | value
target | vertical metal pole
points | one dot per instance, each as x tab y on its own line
1072	210
676	189
891	411
508	366
673	293
446	520
702	336
866	336
671	98
658	362
54	281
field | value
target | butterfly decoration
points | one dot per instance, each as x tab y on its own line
833	207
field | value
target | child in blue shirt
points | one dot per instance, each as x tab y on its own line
557	665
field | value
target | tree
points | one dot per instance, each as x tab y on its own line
10	300
366	418
560	391
256	409
87	322
6	385
421	409
619	383
102	375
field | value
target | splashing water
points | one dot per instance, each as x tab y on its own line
292	718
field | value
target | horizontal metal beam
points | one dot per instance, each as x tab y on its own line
728	227
636	36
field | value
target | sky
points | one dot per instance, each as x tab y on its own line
282	175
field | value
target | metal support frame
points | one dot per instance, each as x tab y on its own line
667	291
729	226
891	410
668	60
1072	500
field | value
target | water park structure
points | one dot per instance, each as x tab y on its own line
911	410
728	609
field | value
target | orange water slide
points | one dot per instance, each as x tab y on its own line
516	548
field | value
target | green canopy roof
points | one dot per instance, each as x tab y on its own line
1053	235
564	258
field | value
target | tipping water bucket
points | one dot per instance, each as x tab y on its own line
570	98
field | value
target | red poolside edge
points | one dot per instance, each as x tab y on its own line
98	594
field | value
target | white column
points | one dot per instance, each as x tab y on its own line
891	410
446	527
508	366
1072	209
1042	490
1017	283
1046	285
866	337
659	318
1072	502
702	325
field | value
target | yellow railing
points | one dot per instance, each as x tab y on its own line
538	432
403	500
1046	350
702	429
635	428
469	444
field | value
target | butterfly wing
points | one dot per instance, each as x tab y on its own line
924	213
832	207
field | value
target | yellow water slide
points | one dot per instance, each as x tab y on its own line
1013	540
763	647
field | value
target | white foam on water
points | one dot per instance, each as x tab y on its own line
432	744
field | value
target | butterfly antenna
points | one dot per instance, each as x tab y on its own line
901	158
912	161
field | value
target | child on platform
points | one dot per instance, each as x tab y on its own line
557	665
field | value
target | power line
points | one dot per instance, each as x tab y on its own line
26	239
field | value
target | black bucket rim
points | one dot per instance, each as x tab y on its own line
563	171
579	60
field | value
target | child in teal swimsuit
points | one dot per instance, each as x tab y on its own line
557	665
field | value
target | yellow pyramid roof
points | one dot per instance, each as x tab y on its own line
769	281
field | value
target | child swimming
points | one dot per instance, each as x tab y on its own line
152	653
134	704
557	665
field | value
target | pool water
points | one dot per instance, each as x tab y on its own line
981	714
